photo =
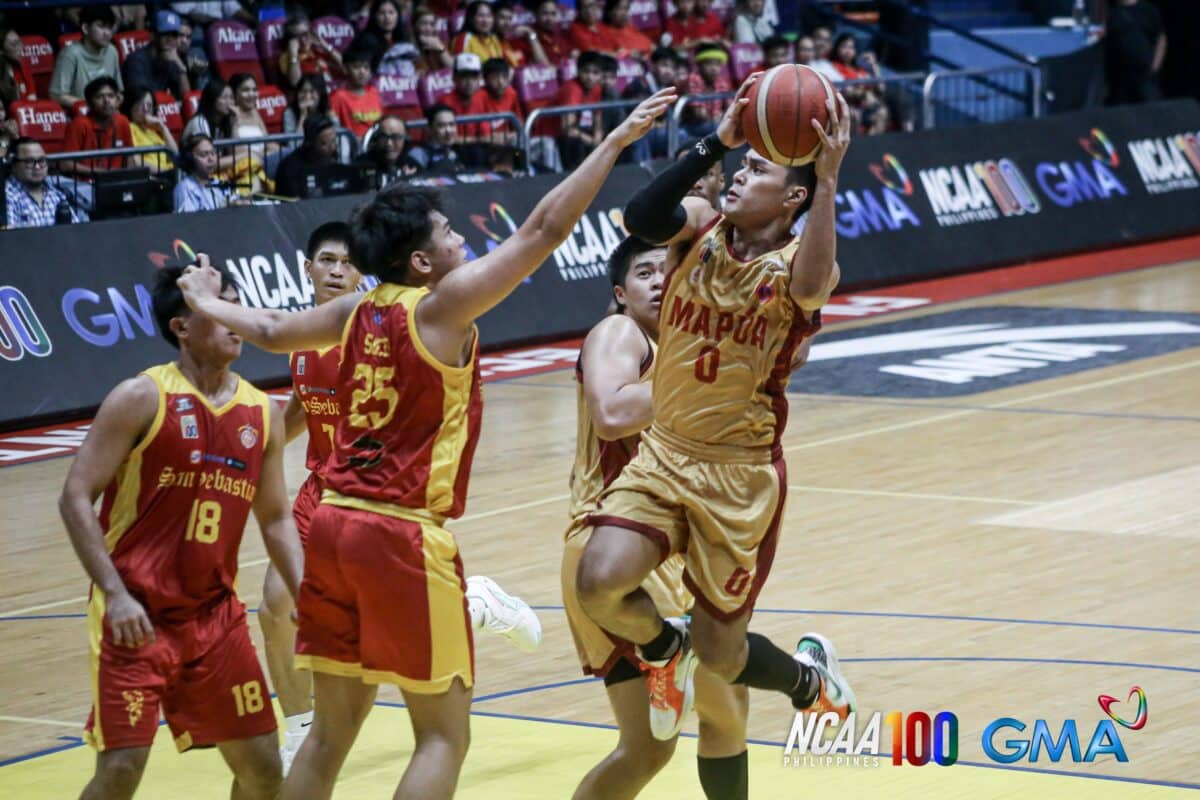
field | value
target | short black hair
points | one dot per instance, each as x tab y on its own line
23	141
104	81
167	300
590	58
663	54
622	258
435	109
771	42
609	63
335	231
496	66
356	55
388	229
804	175
97	13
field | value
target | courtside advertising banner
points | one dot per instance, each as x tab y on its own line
75	305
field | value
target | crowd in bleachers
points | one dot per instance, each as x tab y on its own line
380	83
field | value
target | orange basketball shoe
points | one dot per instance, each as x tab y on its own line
672	692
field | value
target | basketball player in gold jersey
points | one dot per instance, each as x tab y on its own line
709	479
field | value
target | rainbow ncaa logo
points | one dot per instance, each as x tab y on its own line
978	191
1105	739
822	740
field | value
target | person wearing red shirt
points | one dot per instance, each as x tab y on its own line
710	77
709	28
102	128
498	97
587	33
580	133
467	96
625	41
685	28
357	105
555	46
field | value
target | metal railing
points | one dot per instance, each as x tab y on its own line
990	94
79	188
550	112
247	161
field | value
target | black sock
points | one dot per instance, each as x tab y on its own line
663	646
768	667
724	778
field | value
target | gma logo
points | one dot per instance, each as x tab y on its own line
1104	741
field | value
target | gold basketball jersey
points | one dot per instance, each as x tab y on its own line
727	333
598	462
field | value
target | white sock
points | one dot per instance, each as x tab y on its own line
298	722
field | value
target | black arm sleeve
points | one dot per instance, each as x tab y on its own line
654	213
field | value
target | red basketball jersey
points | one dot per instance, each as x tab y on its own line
315	379
411	423
174	513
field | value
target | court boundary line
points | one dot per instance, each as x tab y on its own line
868	400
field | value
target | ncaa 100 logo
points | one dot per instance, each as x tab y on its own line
918	738
21	331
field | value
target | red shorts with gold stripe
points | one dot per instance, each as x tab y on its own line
383	599
203	674
305	505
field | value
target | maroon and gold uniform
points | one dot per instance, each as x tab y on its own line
709	478
173	518
383	593
597	464
314	380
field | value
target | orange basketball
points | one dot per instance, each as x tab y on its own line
777	118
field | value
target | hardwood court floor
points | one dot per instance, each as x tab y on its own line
1012	552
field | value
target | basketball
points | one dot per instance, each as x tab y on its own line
776	121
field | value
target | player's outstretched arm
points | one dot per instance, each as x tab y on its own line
661	212
274	513
466	293
124	417
612	356
274	331
815	273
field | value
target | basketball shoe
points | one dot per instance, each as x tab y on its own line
670	684
495	610
834	694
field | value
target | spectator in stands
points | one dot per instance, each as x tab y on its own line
8	125
478	34
306	53
1135	47
15	81
30	201
711	186
7	138
438	155
387	27
129	16
750	25
624	40
148	130
194	58
432	53
587	33
159	66
309	97
662	73
467	95
319	148
357	105
498	97
710	27
517	40
581	132
776	51
103	127
548	45
685	29
252	163
822	49
214	113
202	14
610	71
94	57
385	154
864	100
199	189
710	77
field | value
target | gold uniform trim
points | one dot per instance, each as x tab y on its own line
418	515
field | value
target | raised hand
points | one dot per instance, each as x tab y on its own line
729	129
835	138
638	123
200	282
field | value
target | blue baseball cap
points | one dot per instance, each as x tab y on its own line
167	22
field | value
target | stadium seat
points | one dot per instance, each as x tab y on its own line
566	15
523	16
744	59
399	95
65	39
44	120
129	42
443	29
456	22
628	71
170	110
79	109
272	102
191	104
567	70
233	49
433	85
537	87
39	57
335	31
270	45
724	9
644	16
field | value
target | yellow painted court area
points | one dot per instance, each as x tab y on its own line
515	759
